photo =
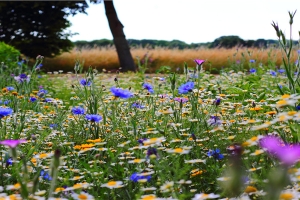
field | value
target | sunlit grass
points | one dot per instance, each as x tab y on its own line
218	58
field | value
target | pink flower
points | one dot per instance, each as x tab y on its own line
199	62
288	154
12	143
181	99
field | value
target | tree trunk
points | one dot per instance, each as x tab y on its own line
121	44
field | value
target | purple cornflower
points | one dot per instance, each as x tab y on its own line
84	82
148	87
288	154
93	118
199	62
181	99
185	88
252	61
22	78
12	143
214	121
252	71
135	177
121	93
78	110
5	111
215	154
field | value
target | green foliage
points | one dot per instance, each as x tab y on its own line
8	52
37	28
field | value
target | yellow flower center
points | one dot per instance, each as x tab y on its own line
112	183
82	196
178	150
286	196
250	189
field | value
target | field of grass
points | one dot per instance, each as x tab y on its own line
216	59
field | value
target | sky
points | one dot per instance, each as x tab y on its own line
191	21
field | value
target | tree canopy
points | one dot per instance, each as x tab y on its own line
38	27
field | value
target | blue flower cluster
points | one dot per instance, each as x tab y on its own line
215	154
45	175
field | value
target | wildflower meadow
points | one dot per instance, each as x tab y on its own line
192	135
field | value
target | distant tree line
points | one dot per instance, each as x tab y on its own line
224	42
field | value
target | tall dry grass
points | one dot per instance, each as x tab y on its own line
106	57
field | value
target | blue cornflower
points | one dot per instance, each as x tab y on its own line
148	87
135	177
39	66
22	78
9	161
78	110
119	92
20	63
137	105
53	126
45	175
5	102
84	82
217	101
252	70
281	71
5	111
48	100
252	61
42	92
185	88
151	151
214	121
215	154
141	141
298	51
93	118
273	73
9	88
32	99
298	107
